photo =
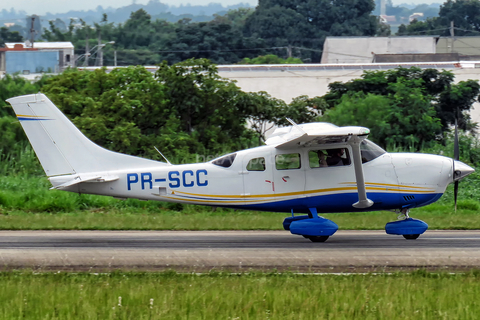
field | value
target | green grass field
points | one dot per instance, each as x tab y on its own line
168	295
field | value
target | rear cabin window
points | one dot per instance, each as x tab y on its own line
256	164
287	161
329	158
225	161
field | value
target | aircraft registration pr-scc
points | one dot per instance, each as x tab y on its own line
306	168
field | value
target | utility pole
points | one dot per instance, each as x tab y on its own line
99	59
452	34
115	58
87	50
32	31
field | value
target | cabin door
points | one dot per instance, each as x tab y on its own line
258	182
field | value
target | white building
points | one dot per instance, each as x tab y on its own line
65	49
363	49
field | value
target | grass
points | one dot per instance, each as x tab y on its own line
169	295
437	216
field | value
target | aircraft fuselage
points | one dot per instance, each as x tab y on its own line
269	179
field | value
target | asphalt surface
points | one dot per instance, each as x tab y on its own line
200	251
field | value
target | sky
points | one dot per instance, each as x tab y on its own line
59	6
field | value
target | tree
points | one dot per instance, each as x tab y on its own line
306	23
182	109
405	118
12	86
437	86
363	109
120	110
263	110
269	59
209	108
9	36
302	109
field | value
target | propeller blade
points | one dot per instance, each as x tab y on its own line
456	156
456	148
455	194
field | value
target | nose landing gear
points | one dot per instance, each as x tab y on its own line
408	227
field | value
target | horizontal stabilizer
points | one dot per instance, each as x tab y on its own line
76	179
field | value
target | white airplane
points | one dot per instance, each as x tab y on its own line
309	168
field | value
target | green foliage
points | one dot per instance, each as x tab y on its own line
270	59
120	110
302	109
9	36
263	110
15	151
182	109
307	23
412	119
423	104
360	109
12	86
142	40
229	38
244	295
209	108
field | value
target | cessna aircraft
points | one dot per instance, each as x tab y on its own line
308	168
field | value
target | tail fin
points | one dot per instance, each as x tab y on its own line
62	148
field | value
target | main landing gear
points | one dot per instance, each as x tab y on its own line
409	228
312	226
319	229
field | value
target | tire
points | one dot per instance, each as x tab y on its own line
411	236
318	238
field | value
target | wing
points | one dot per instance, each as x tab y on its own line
308	136
311	134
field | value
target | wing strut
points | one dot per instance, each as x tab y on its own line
363	201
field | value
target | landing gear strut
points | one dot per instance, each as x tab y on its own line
409	228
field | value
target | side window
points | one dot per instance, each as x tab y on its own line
329	158
256	164
287	161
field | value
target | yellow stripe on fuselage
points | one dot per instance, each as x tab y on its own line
296	193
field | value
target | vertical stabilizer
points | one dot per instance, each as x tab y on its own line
60	146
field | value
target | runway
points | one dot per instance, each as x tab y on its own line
200	251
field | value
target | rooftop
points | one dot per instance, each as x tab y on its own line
43	45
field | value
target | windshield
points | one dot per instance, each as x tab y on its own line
225	161
370	151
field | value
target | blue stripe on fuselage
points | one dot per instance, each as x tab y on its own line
343	203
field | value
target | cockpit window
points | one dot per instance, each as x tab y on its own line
370	151
225	161
329	158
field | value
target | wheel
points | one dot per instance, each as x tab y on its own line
411	236
317	238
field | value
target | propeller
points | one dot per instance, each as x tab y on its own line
456	156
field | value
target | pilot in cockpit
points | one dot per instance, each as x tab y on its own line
334	157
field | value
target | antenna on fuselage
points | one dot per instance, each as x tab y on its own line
163	156
295	125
